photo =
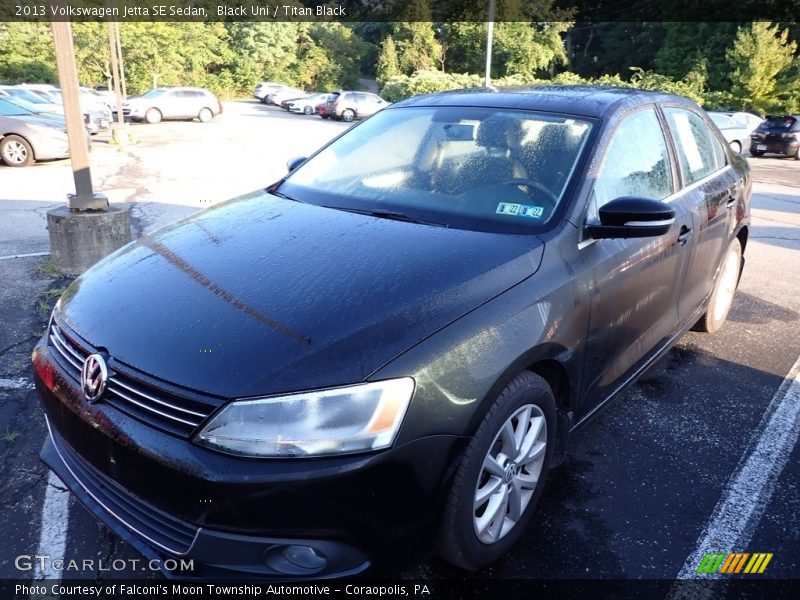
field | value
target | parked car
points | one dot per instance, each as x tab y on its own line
96	115
389	348
265	88
777	135
322	109
307	105
27	136
749	120
42	104
180	103
106	95
284	104
282	94
347	106
738	135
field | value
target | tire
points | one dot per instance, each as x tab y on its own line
324	116
15	151
153	116
348	116
470	538
736	146
307	110
724	289
205	115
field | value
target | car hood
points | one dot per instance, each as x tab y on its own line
261	295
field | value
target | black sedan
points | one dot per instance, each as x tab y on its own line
390	348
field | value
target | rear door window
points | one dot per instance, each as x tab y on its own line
700	153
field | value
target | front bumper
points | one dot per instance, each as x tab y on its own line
167	496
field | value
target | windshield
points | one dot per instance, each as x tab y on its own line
470	168
153	94
12	109
26	95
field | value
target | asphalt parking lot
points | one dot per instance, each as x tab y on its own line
659	478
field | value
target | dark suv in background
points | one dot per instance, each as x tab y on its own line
777	135
346	106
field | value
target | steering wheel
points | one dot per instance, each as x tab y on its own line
521	181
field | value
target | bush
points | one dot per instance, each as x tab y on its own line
401	87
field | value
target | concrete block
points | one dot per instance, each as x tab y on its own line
78	239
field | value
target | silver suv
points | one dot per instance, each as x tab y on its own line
172	103
346	106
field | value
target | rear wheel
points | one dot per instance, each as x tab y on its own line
16	151
724	289
205	115
348	116
153	115
501	475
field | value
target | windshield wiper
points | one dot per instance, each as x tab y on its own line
275	192
389	214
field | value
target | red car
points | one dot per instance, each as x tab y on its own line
322	110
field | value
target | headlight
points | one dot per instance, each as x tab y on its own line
788	136
337	421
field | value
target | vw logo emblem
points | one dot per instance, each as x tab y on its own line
93	377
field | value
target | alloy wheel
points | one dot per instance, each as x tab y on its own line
15	152
510	473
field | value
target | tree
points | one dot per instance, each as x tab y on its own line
27	53
387	66
687	45
761	61
415	39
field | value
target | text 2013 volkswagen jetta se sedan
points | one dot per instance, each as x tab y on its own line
390	347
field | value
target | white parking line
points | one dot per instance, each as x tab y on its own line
752	484
10	256
53	531
20	383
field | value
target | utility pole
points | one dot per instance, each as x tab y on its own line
84	197
86	229
119	131
489	35
121	62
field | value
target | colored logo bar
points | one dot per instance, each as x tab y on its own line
734	563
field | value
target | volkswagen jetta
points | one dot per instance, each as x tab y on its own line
390	347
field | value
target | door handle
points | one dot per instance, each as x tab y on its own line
684	235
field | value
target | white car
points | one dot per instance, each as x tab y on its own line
182	103
747	119
738	135
308	105
285	93
265	88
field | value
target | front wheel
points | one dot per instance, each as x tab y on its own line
724	290
153	116
501	475
16	151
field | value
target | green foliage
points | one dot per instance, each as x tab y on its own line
687	45
388	65
764	71
27	53
400	87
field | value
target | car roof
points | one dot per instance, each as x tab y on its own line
584	100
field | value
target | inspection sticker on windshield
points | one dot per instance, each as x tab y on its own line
520	210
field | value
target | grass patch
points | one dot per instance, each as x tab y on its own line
45	298
49	268
9	435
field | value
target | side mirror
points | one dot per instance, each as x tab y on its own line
632	217
295	162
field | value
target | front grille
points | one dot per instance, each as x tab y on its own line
126	112
162	529
165	407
